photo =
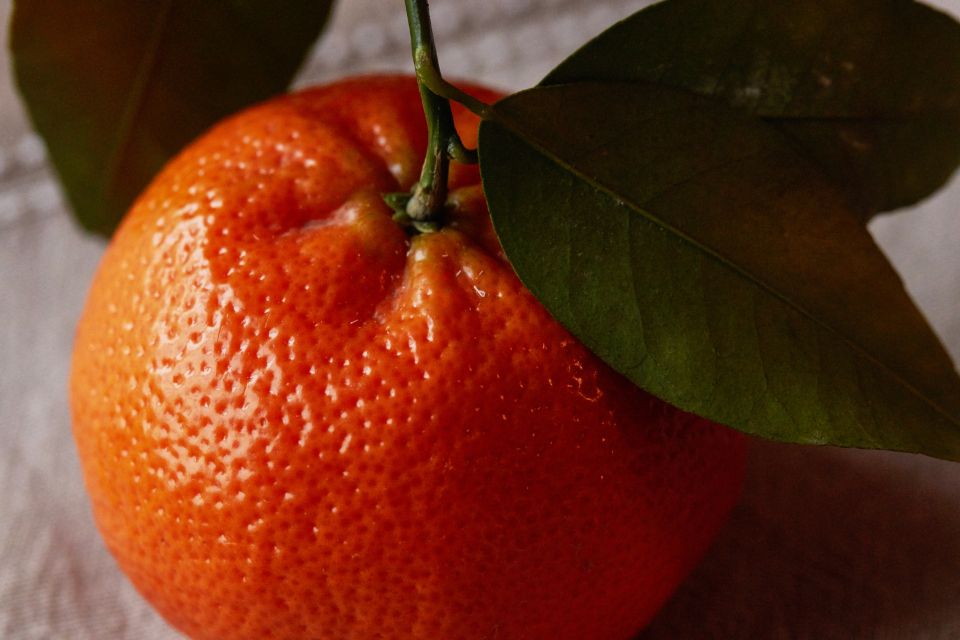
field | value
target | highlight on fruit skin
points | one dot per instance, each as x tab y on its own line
296	421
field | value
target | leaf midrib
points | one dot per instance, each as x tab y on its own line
496	115
136	95
907	117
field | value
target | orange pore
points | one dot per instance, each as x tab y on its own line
295	421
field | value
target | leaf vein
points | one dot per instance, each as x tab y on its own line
543	148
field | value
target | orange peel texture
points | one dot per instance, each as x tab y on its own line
297	422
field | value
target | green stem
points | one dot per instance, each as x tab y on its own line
428	74
429	195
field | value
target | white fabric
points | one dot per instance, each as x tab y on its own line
825	543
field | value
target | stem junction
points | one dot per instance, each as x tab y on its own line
423	207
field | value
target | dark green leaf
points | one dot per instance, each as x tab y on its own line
869	89
116	87
690	247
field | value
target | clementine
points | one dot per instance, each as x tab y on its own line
295	421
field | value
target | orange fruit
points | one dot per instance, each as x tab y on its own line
295	421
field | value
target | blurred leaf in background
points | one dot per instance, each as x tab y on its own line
116	87
868	89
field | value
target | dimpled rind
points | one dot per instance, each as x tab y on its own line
297	422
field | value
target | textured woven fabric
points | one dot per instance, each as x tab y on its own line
825	544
